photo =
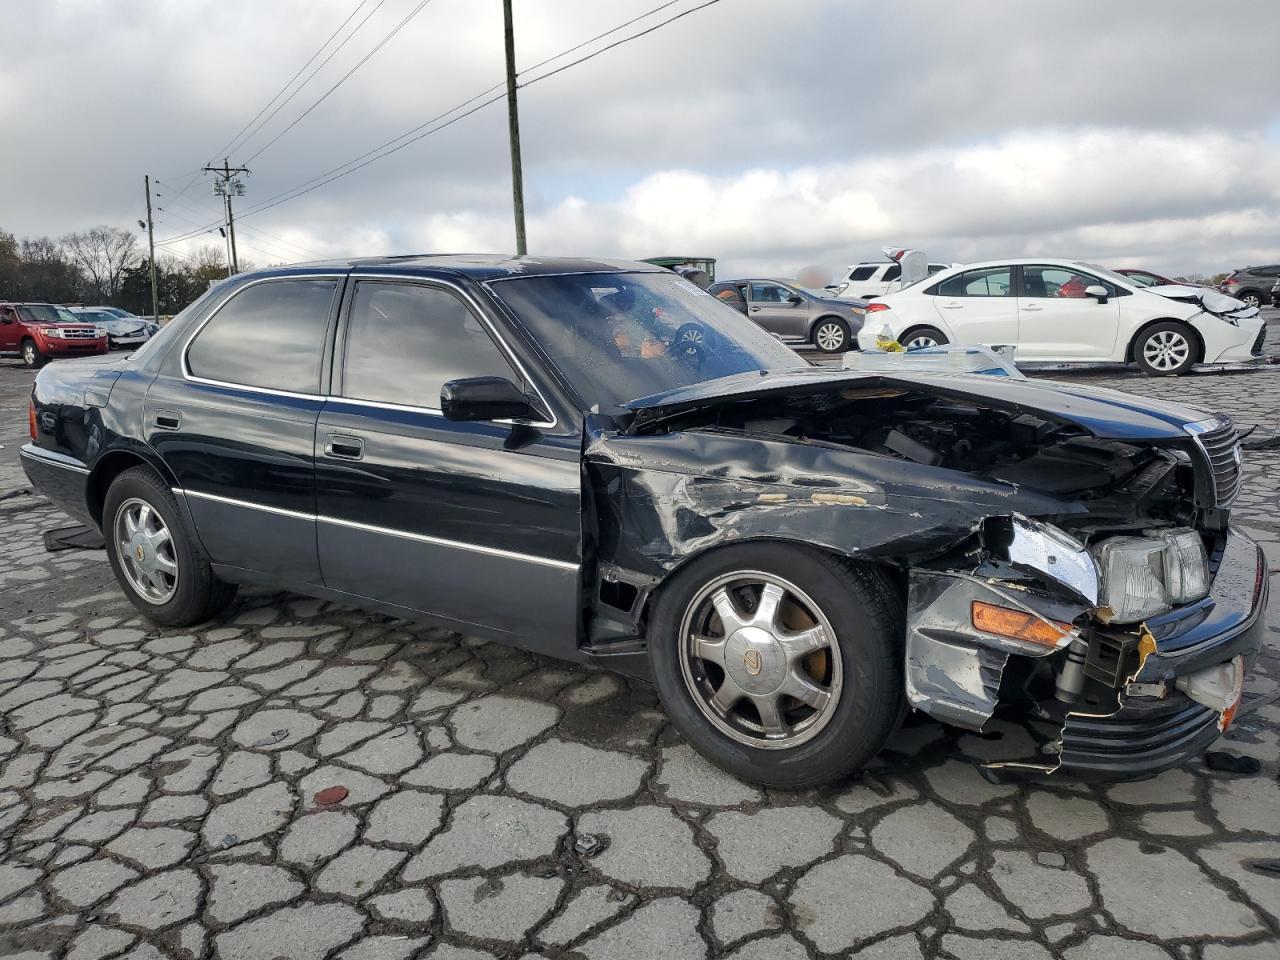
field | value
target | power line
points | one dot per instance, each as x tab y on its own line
324	96
432	126
279	241
288	83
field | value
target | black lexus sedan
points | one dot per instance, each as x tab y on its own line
599	461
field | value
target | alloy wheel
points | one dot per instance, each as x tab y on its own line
920	341
829	337
145	548
1252	300
1166	350
760	660
29	354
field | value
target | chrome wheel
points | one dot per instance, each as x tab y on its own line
1251	300
760	660
29	354
145	549
920	341
1166	350
829	336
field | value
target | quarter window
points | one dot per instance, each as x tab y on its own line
862	273
405	341
987	282
893	272
269	335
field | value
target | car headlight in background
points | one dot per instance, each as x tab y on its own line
51	332
1144	576
99	331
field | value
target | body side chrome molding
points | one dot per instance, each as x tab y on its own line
52	458
384	531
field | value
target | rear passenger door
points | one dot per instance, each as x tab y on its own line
478	524
233	415
979	306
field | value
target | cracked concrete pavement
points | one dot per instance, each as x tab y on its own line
305	781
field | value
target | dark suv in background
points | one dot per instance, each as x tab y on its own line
1251	284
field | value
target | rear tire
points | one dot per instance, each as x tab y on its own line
1251	299
922	337
1166	349
836	639
32	358
158	562
831	335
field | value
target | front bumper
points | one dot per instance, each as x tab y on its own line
58	347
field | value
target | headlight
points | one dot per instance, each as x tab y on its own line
1144	576
51	331
99	331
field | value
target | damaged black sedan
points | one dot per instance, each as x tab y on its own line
600	462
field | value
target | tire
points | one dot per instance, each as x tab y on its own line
831	335
194	594
1251	298
32	358
1166	349
856	660
922	337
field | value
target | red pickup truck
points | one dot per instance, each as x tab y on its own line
37	332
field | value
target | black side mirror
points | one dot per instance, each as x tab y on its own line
795	298
486	398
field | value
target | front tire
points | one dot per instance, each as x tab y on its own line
1166	349
32	358
778	663
156	559
831	335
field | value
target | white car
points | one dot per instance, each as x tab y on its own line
1065	311
862	281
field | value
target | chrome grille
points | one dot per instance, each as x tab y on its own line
79	333
1220	444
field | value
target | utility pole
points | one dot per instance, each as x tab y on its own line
229	185
513	124
151	243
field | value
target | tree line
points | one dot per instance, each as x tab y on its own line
104	266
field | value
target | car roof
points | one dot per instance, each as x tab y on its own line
476	266
1021	261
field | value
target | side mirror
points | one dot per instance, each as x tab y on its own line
485	398
1098	291
795	298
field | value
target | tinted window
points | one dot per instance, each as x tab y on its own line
405	341
862	273
987	282
1059	282
769	293
893	273
936	268
268	335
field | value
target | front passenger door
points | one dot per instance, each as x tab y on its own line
772	308
1058	321
477	524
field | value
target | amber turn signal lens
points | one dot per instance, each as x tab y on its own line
1017	624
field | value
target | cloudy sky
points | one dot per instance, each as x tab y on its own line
772	135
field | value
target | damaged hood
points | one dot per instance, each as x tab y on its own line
1105	414
1208	299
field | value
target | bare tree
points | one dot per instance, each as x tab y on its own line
104	253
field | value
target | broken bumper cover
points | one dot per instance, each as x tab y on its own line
954	671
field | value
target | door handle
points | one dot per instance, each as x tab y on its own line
953	306
1032	307
344	448
168	419
755	309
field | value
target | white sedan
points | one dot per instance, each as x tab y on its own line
1066	311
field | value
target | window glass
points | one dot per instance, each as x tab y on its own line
862	273
936	268
769	293
893	272
1059	282
404	341
269	335
987	282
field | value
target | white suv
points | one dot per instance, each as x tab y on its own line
863	281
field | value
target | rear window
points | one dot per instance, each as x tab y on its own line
862	273
268	335
893	273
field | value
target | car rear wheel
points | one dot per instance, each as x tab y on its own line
831	335
1251	299
31	355
155	558
922	337
780	664
1165	349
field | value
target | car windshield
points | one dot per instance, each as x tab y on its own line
44	313
620	336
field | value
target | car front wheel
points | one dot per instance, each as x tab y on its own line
31	355
831	335
780	664
1165	349
156	560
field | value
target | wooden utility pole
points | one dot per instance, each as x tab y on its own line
229	185
151	243
513	124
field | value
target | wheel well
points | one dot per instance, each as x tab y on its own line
1129	352
104	473
905	335
826	316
